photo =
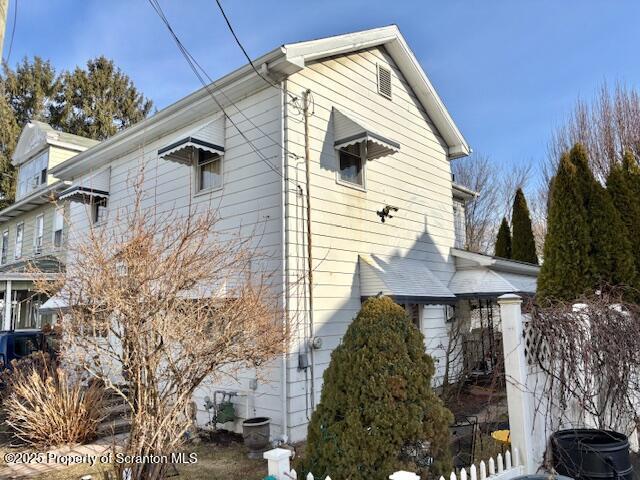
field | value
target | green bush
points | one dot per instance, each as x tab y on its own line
503	240
378	413
523	245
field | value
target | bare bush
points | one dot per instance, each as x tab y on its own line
45	407
589	354
156	304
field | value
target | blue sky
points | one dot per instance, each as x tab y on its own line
509	71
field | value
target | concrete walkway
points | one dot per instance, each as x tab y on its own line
57	459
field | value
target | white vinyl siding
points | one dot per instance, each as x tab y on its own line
248	203
459	224
416	180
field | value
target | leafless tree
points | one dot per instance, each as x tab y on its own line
156	304
496	186
607	126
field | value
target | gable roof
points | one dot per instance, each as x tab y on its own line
35	135
278	63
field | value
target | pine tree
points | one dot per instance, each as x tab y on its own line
377	402
95	103
612	260
503	240
523	246
98	101
623	186
566	271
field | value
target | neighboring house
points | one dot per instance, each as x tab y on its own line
33	227
380	143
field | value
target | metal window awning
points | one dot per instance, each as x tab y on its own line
207	138
55	304
482	282
350	129
403	279
89	188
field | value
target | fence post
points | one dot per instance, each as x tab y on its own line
402	475
515	369
278	462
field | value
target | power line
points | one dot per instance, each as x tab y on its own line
195	67
13	29
244	51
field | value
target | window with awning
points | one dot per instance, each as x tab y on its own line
89	189
187	148
349	129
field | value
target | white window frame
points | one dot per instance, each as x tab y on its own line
17	253
95	219
4	253
363	159
198	165
38	234
58	215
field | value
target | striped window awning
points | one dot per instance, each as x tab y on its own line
208	138
350	129
87	189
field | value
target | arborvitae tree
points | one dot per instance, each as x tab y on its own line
523	246
623	186
503	240
566	271
377	404
612	260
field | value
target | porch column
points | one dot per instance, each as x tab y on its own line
7	307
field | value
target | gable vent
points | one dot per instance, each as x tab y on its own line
384	81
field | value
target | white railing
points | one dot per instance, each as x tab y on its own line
499	469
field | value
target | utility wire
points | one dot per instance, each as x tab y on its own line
199	71
13	29
195	67
244	51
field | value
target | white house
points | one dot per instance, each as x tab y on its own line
384	213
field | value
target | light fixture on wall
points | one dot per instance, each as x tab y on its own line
386	212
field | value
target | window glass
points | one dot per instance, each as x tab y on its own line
19	233
99	210
5	246
38	234
58	226
351	164
32	174
209	170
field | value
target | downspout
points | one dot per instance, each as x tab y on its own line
285	256
307	157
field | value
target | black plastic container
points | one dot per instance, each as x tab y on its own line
590	454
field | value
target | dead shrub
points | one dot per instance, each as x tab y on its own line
45	407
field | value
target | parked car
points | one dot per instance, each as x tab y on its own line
15	345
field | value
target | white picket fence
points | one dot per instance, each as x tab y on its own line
499	469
